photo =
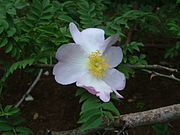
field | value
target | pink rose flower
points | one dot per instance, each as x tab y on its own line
90	62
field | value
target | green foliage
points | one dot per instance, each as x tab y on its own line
93	111
18	65
161	129
129	50
31	32
130	56
173	51
10	121
88	14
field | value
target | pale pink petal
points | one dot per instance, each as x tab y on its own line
90	89
115	79
69	52
92	84
104	96
93	39
71	65
90	39
114	55
110	41
76	34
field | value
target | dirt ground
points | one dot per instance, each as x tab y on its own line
56	108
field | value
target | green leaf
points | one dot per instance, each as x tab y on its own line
80	91
108	115
89	113
92	122
110	107
8	133
48	9
5	24
126	70
17	120
14	111
3	120
65	18
1	29
48	16
83	4
19	4
8	48
37	4
11	32
6	127
45	3
11	11
7	108
3	42
23	130
89	104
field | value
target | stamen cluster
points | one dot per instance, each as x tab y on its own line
97	64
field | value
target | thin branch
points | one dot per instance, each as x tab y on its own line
43	65
30	88
159	115
155	66
162	75
131	30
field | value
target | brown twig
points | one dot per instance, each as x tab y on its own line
159	115
30	88
128	65
43	65
152	67
162	75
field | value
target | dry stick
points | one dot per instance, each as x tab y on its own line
159	115
162	75
30	88
43	65
155	66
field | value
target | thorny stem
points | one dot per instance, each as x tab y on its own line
155	66
162	75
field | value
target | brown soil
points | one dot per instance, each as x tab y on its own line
56	108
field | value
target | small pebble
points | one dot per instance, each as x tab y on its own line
29	98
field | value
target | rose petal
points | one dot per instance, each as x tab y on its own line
71	65
75	33
115	79
114	55
104	96
69	52
110	41
93	39
90	89
90	39
88	81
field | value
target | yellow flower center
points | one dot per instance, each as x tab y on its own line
97	64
